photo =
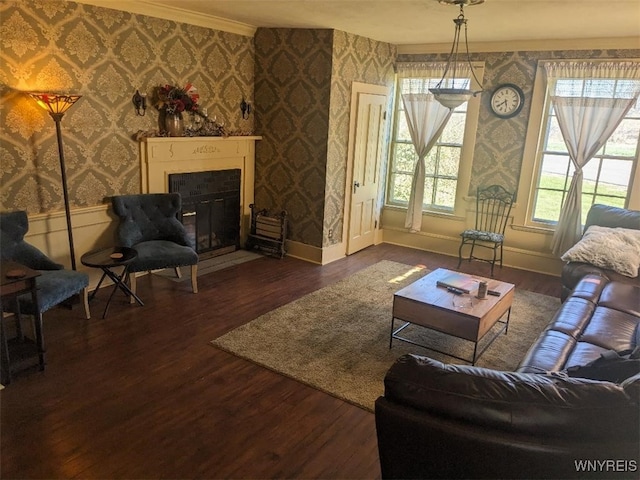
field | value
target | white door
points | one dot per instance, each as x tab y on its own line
367	138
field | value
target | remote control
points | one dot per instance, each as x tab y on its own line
455	291
493	292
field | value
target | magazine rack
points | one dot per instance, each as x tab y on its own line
268	232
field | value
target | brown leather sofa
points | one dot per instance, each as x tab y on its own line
446	421
604	216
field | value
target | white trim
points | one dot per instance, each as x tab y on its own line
152	9
622	43
356	89
468	146
534	140
523	259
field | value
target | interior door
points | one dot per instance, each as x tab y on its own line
367	155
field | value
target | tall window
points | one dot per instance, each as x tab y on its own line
442	162
608	176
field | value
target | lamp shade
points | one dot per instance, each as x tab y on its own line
55	103
452	97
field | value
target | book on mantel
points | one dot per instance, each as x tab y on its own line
458	280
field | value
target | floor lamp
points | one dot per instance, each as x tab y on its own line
57	105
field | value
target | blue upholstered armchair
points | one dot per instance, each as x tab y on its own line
149	224
55	284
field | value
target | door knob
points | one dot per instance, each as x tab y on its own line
356	184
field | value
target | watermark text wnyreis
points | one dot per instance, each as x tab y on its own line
610	465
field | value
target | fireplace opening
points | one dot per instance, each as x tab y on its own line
210	209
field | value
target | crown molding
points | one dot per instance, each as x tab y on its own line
623	43
151	9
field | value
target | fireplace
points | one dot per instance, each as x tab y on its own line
210	209
165	159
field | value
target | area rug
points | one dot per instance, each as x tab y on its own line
211	265
336	339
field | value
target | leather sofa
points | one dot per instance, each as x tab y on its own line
437	420
604	216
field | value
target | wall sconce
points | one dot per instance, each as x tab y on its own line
245	108
140	102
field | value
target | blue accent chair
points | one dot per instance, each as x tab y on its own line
149	224
55	284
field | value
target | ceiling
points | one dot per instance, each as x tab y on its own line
411	22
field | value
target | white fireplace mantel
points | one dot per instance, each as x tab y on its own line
162	156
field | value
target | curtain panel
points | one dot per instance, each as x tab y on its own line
426	119
588	112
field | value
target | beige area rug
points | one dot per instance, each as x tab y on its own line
210	265
337	338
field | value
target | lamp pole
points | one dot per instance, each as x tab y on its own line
57	118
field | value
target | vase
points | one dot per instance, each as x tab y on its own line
174	125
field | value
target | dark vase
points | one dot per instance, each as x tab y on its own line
174	125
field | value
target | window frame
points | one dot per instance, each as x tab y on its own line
533	148
466	153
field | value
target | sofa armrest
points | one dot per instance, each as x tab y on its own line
612	217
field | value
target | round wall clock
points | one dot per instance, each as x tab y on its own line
507	100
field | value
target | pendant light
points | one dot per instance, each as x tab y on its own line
449	92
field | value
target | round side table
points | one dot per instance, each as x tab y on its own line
107	259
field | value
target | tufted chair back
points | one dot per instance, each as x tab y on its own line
149	224
151	216
13	227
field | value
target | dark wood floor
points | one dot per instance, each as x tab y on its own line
142	394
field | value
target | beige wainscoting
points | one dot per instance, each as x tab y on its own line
93	228
525	248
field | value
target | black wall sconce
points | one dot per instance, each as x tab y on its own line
245	108
140	102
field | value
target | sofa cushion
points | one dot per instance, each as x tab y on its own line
617	249
599	316
611	366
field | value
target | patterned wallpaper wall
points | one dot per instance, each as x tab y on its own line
292	94
500	142
302	96
104	55
355	59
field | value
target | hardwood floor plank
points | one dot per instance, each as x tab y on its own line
142	393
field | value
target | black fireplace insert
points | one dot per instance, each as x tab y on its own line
210	208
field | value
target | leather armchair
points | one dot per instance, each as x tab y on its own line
149	224
55	284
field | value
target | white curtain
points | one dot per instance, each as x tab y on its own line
587	117
426	119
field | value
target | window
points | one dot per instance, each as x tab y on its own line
448	163
607	177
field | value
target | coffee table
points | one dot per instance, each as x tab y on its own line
464	316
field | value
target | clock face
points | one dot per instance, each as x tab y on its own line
507	100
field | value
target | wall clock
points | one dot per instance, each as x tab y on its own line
507	100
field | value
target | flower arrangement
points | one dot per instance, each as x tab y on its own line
175	100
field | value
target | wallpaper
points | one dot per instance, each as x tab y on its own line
104	55
303	96
500	142
355	59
